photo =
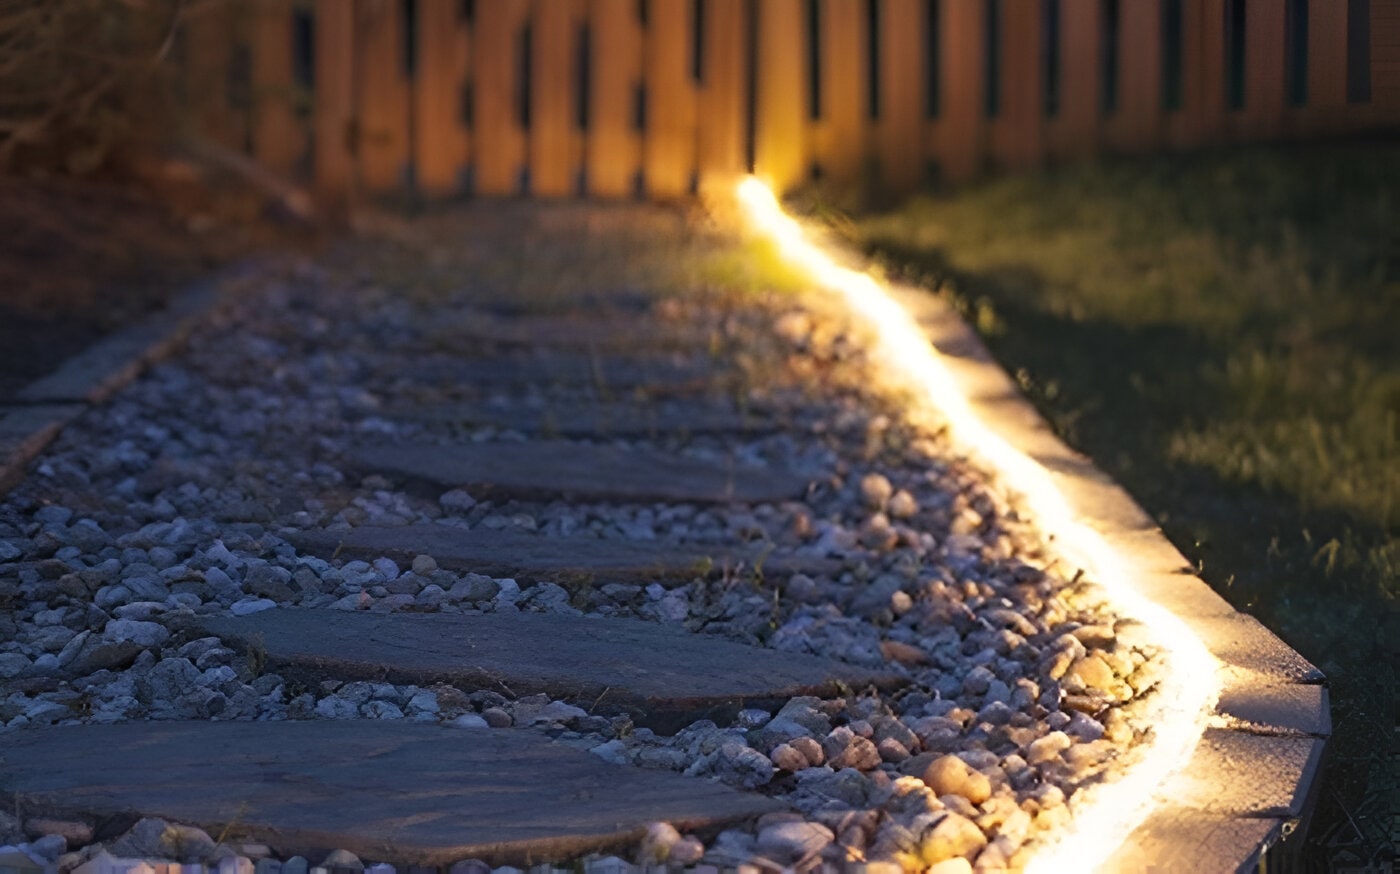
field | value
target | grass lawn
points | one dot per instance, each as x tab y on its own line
1221	333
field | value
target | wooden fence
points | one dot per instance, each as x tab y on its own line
654	98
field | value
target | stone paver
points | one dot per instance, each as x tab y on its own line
660	675
603	332
651	374
575	559
385	790
584	471
595	419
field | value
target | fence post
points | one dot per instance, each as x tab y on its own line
554	142
1210	19
611	148
1074	130
722	103
497	139
668	143
962	121
383	95
334	107
840	140
780	118
278	140
1019	129
440	148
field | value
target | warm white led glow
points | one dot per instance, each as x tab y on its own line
1104	815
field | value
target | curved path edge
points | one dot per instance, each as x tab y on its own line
1252	779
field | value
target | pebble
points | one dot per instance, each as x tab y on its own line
950	775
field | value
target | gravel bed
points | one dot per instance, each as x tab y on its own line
176	498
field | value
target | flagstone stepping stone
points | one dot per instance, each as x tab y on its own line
573	559
602	374
584	471
607	332
662	676
392	791
585	419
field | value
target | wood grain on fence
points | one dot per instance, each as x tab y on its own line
901	81
669	98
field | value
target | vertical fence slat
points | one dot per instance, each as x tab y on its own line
900	128
278	140
1385	62
1074	130
334	108
440	139
210	34
1184	124
382	145
1018	130
498	142
1208	17
1264	83
669	144
840	140
553	136
962	121
1327	63
722	103
1137	125
612	150
780	117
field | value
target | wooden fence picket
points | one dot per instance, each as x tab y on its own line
1019	127
668	98
612	149
1073	131
498	140
278	140
962	122
334	109
1138	122
382	94
1264	87
901	80
841	134
781	147
440	144
721	153
555	145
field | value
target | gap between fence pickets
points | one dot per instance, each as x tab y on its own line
41	410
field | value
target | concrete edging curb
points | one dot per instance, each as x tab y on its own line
36	415
1251	780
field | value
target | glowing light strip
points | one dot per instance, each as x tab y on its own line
1103	815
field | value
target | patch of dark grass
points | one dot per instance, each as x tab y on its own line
1221	333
